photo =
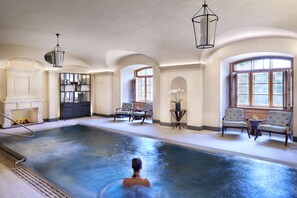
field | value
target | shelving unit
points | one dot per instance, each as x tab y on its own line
75	95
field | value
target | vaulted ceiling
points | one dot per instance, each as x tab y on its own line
100	32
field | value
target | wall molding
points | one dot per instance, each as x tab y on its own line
189	66
106	73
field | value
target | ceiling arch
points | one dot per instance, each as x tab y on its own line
135	59
241	34
99	33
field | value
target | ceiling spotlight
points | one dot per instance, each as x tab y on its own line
205	24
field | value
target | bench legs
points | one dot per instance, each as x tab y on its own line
286	138
247	130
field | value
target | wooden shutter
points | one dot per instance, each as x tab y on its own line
287	89
133	81
233	89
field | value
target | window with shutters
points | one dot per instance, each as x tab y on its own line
264	82
143	83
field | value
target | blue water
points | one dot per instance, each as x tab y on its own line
87	162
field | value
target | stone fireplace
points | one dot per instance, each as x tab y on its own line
21	110
22	101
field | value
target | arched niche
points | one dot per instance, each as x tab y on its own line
180	83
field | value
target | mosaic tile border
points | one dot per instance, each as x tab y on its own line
37	182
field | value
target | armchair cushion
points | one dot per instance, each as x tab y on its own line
272	128
279	118
234	114
119	112
126	106
137	113
236	124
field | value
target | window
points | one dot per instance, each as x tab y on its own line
144	84
264	82
260	95
243	89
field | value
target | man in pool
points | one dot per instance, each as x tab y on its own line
136	179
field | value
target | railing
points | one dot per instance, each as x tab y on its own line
33	132
18	157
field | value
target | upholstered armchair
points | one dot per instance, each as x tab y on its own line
234	118
278	122
144	113
125	111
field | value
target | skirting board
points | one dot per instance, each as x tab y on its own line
156	121
103	115
196	128
51	119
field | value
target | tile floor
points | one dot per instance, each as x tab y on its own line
234	142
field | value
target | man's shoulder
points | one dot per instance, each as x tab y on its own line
126	181
147	182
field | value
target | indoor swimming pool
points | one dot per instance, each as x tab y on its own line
89	162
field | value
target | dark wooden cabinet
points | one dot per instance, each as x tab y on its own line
75	95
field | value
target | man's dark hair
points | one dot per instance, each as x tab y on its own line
136	164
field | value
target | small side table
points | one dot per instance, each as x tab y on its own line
254	125
178	115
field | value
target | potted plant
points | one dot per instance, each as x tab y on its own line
176	97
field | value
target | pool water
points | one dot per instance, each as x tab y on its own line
89	162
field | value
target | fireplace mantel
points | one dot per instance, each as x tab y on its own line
13	105
22	93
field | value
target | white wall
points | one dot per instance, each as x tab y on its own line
212	74
52	101
224	83
2	84
103	93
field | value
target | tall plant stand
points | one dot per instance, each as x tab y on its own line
178	115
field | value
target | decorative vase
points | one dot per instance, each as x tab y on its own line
177	106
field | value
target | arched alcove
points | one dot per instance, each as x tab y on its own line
126	64
224	73
179	83
216	71
127	75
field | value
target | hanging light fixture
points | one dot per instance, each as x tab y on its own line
205	24
56	56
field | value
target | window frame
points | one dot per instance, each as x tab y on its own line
146	77
286	79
